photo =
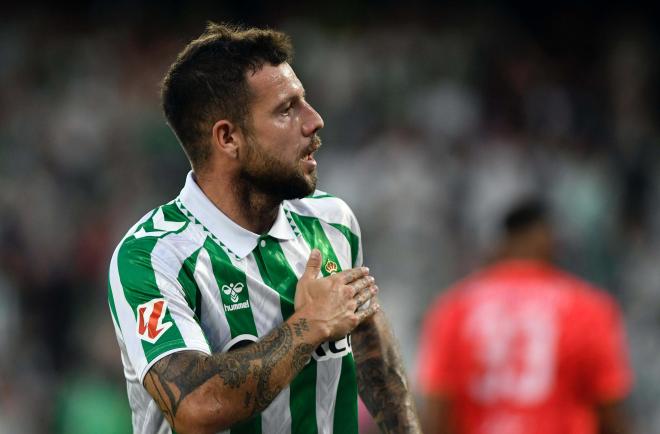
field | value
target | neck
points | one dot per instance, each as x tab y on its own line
240	202
523	251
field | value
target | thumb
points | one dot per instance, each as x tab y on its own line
313	267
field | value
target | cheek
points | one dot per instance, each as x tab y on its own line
280	142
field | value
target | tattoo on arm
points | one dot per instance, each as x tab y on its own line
381	378
301	356
300	327
174	377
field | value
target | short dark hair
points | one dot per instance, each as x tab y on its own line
208	82
523	215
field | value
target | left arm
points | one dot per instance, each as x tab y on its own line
382	382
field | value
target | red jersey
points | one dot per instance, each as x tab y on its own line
522	347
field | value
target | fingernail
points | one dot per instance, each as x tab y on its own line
365	269
375	289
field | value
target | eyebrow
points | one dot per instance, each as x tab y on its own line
290	100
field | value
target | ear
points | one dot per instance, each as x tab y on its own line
226	138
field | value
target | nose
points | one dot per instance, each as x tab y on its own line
312	121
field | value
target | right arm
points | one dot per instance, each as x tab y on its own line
437	367
606	368
205	394
200	393
436	415
613	418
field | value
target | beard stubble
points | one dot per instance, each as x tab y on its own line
271	177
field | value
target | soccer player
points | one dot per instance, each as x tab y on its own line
242	304
522	347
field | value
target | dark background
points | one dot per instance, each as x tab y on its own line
438	117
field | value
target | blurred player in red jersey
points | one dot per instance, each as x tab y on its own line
522	347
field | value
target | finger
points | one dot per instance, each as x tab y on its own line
362	283
365	295
348	276
313	267
366	313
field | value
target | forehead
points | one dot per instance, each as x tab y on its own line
272	84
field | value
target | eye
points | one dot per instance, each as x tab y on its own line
287	110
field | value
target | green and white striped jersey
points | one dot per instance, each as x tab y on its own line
186	277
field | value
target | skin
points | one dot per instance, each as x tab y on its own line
535	242
283	125
205	394
382	381
613	418
436	415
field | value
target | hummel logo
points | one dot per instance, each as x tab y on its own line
237	306
232	290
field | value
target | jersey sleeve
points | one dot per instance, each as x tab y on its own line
152	314
436	374
608	374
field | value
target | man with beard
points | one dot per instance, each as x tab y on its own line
240	304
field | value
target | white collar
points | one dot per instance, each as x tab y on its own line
236	238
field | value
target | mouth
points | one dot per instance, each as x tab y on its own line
308	156
309	162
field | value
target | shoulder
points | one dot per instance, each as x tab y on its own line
583	291
587	303
159	223
323	206
598	301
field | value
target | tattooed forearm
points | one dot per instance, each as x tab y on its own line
259	371
381	378
386	397
301	356
176	376
276	346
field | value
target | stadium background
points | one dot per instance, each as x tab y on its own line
437	118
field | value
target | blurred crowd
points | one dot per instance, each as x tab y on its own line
433	128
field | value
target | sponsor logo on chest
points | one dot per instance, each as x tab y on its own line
333	350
